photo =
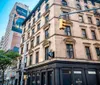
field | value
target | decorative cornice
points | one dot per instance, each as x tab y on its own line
46	43
70	40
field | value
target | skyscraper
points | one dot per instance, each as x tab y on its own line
13	32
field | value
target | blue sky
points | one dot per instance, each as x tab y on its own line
5	9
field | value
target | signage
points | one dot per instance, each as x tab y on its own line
77	72
91	72
21	11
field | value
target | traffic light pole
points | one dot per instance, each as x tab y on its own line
80	11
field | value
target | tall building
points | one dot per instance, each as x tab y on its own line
12	38
1	42
13	32
54	56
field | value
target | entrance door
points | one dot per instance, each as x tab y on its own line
92	78
66	77
78	78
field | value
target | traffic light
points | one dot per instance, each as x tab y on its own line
63	24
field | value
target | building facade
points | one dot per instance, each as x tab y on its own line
12	38
54	56
13	30
1	42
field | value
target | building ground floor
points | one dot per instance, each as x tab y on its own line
63	73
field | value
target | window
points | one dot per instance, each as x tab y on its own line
43	78
98	51
70	51
78	0
46	33
20	64
28	35
85	1
30	61
86	7
32	43
46	1
68	31
38	40
33	20
84	33
38	9
33	79
81	18
47	19
38	26
25	61
46	7
39	15
98	22
50	78
90	20
64	3
88	52
27	47
21	50
93	35
46	53
29	26
22	39
78	7
37	79
37	57
32	31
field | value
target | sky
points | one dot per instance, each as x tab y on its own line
5	9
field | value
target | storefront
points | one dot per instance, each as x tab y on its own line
64	73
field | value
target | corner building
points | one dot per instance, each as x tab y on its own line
75	50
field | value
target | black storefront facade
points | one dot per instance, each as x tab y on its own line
64	73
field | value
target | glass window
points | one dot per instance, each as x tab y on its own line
28	35
98	51
88	52
30	61
38	40
47	19
27	47
43	78
78	0
46	7
21	50
39	15
98	22
93	35
37	57
84	33
46	1
32	43
38	79
78	7
86	7
39	9
29	26
50	78
38	26
33	79
32	31
25	61
64	3
46	53
81	18
90	20
46	33
33	20
70	51
68	31
85	1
